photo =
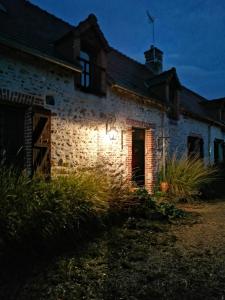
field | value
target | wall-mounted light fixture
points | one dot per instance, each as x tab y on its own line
111	131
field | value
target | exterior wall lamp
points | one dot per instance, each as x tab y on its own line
111	132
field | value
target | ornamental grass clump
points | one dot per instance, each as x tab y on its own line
34	211
186	176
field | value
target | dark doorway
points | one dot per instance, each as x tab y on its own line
195	147
138	156
12	136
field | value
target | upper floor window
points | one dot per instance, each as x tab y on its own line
93	76
85	64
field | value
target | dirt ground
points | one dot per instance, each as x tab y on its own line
208	233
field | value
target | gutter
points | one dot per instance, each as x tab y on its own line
36	53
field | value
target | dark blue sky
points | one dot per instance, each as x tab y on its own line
191	33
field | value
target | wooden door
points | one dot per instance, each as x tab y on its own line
42	142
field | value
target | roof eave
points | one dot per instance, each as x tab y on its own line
38	54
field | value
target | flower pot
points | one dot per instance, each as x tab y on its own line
164	186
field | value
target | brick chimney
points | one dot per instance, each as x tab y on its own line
154	60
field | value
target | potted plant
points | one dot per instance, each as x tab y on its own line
164	185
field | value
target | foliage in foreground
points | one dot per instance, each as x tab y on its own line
36	214
138	260
186	176
36	210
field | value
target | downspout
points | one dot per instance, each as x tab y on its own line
163	145
209	144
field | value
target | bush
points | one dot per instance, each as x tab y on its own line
186	176
142	204
170	211
35	211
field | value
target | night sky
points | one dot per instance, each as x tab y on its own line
191	33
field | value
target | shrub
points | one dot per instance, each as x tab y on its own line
170	211
33	211
36	213
186	176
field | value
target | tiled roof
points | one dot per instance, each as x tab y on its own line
128	73
192	102
163	77
31	26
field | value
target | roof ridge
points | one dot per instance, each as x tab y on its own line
27	2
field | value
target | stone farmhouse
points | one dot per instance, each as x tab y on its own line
69	100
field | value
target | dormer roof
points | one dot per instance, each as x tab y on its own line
89	24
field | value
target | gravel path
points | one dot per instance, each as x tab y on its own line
208	234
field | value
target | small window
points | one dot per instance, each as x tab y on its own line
50	100
195	147
219	153
85	64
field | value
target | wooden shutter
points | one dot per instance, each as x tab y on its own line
42	142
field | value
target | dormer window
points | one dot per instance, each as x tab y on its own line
89	49
85	64
93	76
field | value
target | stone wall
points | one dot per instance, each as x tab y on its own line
80	120
187	126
